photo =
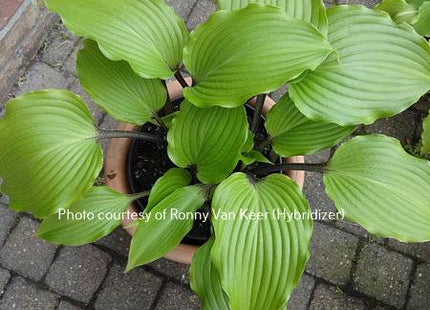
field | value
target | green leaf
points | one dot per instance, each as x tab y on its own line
48	153
172	180
312	11
254	156
89	219
382	69
416	3
266	49
381	187
422	26
260	261
205	281
115	87
399	10
425	137
211	139
294	134
146	33
155	236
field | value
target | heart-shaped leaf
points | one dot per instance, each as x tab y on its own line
146	33
117	89
205	281
266	49
163	227
381	69
294	134
383	188
49	156
312	11
172	180
211	139
90	218
425	137
399	10
259	255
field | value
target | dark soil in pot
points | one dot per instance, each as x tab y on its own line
148	161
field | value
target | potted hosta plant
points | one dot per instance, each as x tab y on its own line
345	66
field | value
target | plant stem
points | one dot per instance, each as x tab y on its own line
160	121
290	166
116	134
257	112
168	107
181	79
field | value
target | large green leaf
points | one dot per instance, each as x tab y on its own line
399	10
211	139
172	180
294	134
90	218
422	26
156	236
312	11
116	88
205	281
381	69
381	187
48	155
259	260
146	33
416	3
425	136
266	49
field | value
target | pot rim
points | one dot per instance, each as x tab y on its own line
116	176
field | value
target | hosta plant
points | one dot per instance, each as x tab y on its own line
345	66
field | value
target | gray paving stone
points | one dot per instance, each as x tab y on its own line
4	199
20	295
7	219
4	278
403	127
332	253
133	291
183	8
420	289
70	63
118	241
78	272
423	105
64	305
95	111
26	254
175	297
42	76
330	298
379	308
419	250
200	13
383	274
300	297
58	46
171	269
353	228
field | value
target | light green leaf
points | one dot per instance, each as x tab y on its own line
48	155
266	49
211	139
260	261
157	236
172	180
205	281
381	187
425	137
146	33
116	88
422	26
416	3
399	10
254	156
312	11
294	134
382	69
89	219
